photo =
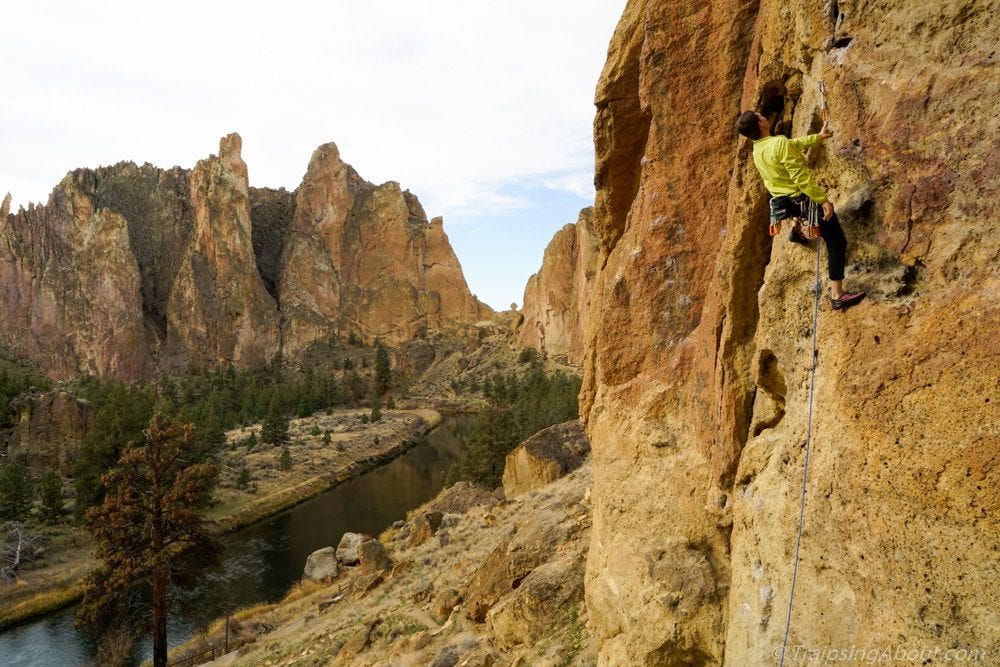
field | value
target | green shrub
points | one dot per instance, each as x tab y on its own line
16	491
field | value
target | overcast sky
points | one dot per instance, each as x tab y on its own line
483	108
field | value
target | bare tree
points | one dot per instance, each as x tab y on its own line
18	547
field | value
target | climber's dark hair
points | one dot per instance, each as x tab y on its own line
748	125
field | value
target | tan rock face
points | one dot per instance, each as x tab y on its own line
545	457
132	269
219	310
48	429
557	298
364	259
70	287
312	260
697	369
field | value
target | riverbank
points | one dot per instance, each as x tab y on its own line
472	578
326	449
318	464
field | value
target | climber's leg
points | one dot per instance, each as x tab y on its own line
836	254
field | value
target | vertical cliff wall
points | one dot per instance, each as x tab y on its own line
557	298
364	259
131	269
698	352
70	287
219	311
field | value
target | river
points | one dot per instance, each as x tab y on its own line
261	562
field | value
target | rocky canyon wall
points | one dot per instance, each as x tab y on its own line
696	389
557	298
128	270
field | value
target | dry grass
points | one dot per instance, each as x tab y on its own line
40	603
52	584
247	624
406	633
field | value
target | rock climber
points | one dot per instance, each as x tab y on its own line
783	167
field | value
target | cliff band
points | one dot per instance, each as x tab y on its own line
128	270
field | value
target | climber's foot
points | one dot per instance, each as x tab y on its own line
846	300
796	236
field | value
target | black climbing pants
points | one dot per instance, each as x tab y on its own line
830	230
836	246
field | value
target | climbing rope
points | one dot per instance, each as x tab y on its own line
805	465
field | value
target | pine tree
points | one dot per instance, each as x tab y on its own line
120	420
148	529
305	406
211	433
383	371
357	386
275	429
285	462
52	497
243	479
376	412
16	492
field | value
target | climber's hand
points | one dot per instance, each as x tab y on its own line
827	210
825	132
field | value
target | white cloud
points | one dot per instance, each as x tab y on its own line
456	100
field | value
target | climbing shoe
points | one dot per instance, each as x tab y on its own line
846	300
795	236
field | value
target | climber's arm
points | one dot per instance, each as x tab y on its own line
805	142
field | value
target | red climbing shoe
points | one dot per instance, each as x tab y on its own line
846	300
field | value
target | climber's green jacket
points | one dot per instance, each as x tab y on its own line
783	166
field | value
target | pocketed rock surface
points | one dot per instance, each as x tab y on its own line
696	389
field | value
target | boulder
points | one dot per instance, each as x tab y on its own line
373	557
423	528
514	558
321	565
444	602
545	457
540	603
48	429
347	549
460	498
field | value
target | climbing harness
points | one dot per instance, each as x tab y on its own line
800	210
813	217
